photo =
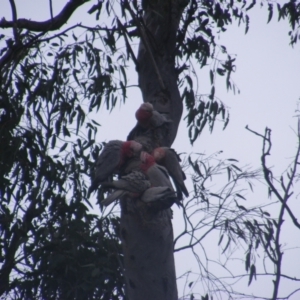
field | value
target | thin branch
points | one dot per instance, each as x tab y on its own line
49	25
51	9
99	28
256	133
294	169
59	34
278	254
260	274
267	172
191	245
280	222
123	29
14	17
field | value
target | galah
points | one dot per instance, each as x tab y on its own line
144	115
113	156
132	185
168	158
157	174
148	121
162	196
147	117
158	193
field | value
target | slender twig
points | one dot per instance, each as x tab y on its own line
123	29
59	34
14	17
267	172
99	28
277	253
256	133
280	222
51	9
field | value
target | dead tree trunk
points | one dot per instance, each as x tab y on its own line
146	231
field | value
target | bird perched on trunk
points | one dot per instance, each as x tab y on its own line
157	174
148	121
147	117
112	157
132	185
158	193
168	158
136	185
159	177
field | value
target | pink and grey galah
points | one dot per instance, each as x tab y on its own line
113	156
168	158
136	185
158	193
158	175
148	119
133	185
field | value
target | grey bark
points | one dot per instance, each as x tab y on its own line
156	60
147	240
147	233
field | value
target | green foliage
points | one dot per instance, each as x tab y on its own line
291	10
196	45
52	247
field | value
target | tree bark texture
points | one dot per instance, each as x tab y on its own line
156	60
147	239
147	234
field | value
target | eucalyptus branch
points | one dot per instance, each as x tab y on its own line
58	34
191	245
49	25
266	151
277	254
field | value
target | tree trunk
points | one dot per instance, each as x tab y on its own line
147	235
147	240
156	58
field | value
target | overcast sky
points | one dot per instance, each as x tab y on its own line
267	74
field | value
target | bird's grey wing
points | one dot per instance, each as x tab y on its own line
164	171
173	166
159	119
135	182
157	193
116	195
136	131
164	179
106	164
173	152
